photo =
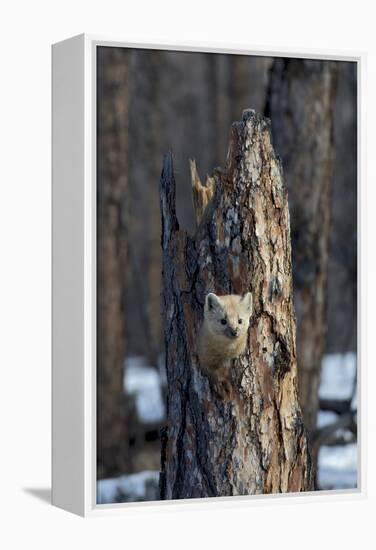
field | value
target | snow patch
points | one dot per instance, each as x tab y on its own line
325	418
337	376
142	486
144	383
338	467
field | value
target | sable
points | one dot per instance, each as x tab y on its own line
223	337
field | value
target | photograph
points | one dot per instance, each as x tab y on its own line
226	274
188	265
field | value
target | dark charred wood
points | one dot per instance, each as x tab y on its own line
339	406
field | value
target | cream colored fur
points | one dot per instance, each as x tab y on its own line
222	337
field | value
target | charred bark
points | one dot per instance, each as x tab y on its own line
301	108
255	441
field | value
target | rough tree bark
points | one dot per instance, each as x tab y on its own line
254	443
301	108
111	260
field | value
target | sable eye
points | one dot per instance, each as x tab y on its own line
223	321
240	321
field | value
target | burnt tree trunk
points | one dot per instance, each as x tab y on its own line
301	109
254	442
111	259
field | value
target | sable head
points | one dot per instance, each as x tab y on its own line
228	316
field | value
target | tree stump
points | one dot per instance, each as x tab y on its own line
254	442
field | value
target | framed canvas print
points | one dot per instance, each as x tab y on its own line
206	311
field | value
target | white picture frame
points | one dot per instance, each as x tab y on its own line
74	275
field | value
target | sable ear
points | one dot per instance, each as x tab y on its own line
212	302
247	301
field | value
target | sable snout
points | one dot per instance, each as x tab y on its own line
232	332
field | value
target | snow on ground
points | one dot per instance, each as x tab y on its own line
144	383
337	375
325	418
337	465
128	488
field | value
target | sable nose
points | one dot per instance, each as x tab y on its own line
233	332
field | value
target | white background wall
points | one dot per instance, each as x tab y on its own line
27	30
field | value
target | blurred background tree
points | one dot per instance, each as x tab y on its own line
186	102
301	108
112	185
